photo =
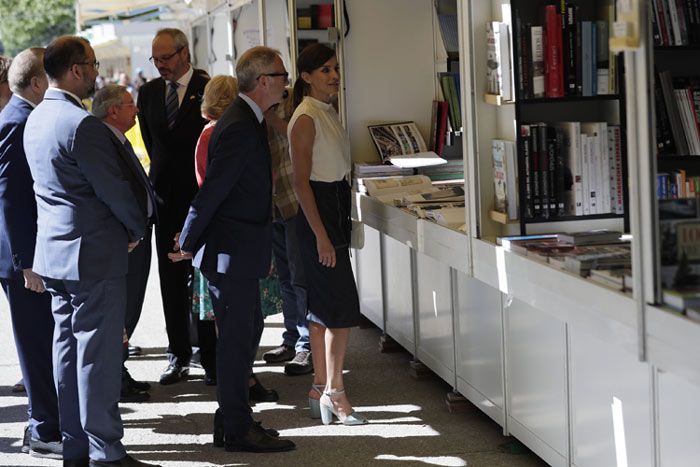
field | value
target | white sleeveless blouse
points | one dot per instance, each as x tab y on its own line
331	160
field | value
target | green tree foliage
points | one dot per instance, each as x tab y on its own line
34	23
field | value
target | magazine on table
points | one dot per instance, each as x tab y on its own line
403	145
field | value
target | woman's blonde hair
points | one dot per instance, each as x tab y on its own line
219	92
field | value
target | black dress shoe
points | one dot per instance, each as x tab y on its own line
131	394
85	462
219	436
258	392
210	378
46	449
126	461
257	440
280	354
138	385
173	374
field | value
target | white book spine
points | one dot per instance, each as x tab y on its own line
506	65
512	181
604	163
537	61
675	23
585	174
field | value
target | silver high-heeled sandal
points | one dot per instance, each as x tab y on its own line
314	404
328	411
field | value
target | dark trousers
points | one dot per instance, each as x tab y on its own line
291	276
239	319
89	316
33	325
136	280
174	290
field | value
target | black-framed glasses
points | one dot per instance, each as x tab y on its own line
95	64
164	58
285	75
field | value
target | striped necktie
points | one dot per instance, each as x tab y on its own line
171	104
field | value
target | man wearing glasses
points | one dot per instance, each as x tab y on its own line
88	221
170	120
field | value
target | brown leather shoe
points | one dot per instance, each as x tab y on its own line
257	440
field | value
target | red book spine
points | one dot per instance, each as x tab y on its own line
554	64
441	127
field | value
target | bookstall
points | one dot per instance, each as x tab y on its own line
577	355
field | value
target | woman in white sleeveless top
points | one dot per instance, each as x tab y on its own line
320	152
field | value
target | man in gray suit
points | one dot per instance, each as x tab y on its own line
87	221
114	105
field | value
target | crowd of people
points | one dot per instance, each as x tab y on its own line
245	177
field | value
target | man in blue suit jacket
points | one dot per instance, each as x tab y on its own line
229	226
88	220
30	306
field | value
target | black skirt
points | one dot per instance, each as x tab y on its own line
331	292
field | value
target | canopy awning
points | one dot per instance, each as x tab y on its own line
93	10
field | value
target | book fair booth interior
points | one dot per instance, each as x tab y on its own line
526	177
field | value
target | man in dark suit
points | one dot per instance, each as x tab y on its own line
30	306
229	226
87	222
114	105
171	122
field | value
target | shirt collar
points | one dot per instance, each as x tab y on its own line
254	106
25	100
184	80
116	132
78	100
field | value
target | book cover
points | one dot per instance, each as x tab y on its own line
537	60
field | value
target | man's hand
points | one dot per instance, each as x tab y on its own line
178	254
32	281
133	245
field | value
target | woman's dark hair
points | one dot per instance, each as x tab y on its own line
313	56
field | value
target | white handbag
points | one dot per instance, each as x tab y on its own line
357	235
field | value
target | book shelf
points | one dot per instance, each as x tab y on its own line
678	210
540	194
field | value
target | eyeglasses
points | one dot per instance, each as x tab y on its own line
94	64
285	75
164	58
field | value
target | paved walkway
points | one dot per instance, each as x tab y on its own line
410	424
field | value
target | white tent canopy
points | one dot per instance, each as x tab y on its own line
90	10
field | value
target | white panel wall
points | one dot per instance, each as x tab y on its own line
369	277
478	345
679	422
435	326
602	373
389	70
536	363
398	287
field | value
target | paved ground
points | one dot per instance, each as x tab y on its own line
410	424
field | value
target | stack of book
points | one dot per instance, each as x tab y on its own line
578	253
452	170
572	169
676	22
678	114
364	170
565	55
